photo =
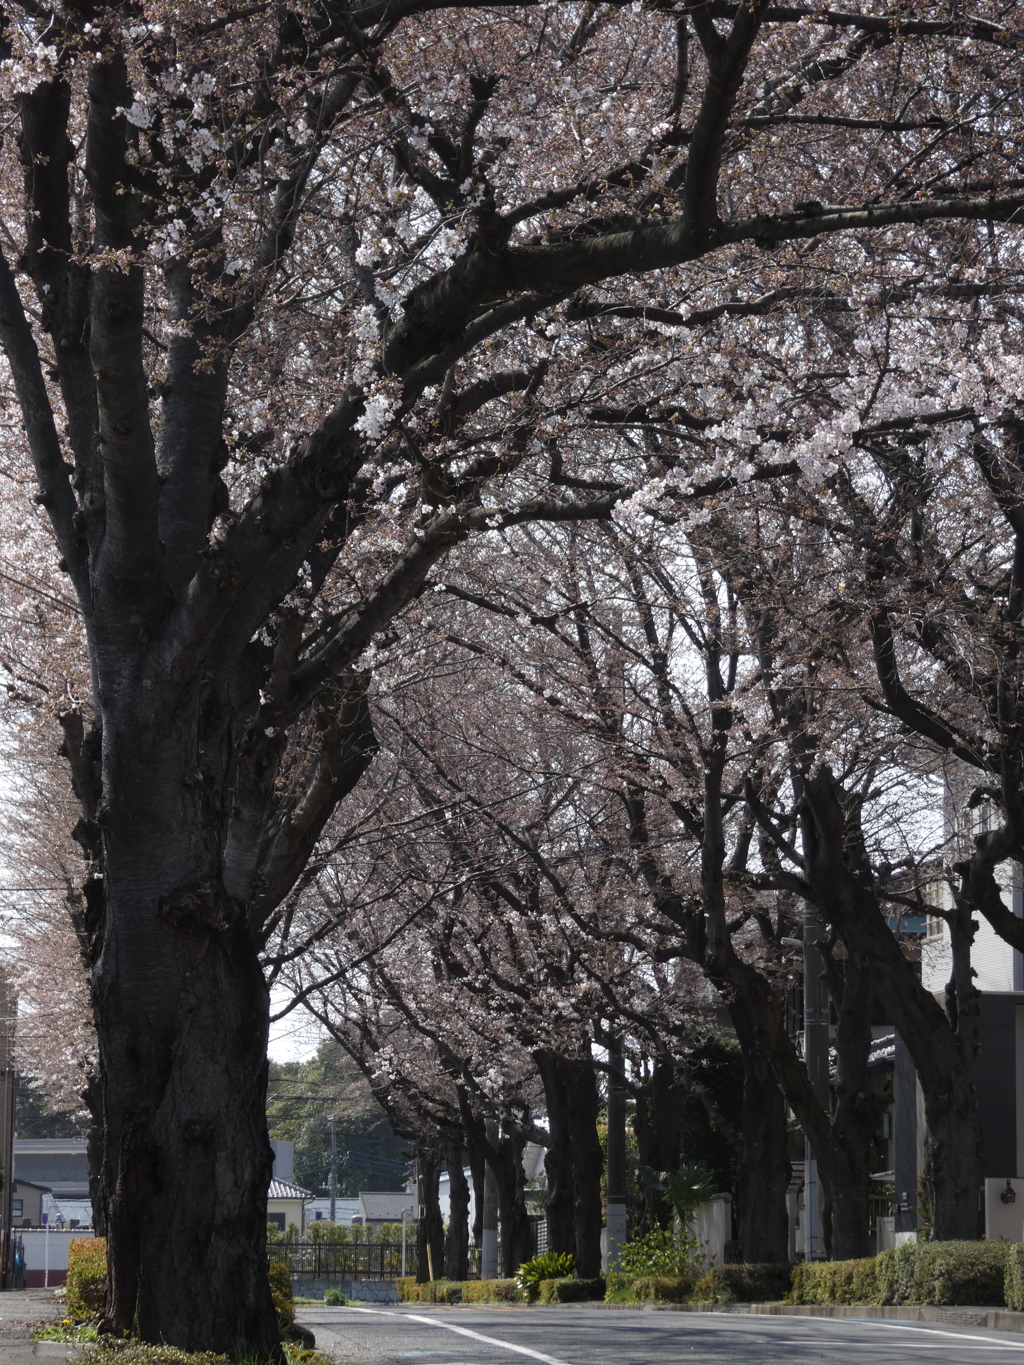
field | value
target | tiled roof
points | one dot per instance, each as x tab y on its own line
284	1189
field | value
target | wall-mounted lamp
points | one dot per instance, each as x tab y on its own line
1009	1195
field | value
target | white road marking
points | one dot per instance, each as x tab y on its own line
934	1332
990	1345
465	1332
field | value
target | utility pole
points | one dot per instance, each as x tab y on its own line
334	1169
816	1021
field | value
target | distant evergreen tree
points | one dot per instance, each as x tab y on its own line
302	1096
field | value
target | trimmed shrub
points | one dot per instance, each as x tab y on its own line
404	1285
440	1291
281	1292
332	1298
1013	1277
86	1290
943	1273
764	1283
836	1281
618	1287
570	1290
662	1288
490	1291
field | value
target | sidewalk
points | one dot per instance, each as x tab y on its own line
22	1312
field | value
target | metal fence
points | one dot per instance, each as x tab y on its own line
355	1261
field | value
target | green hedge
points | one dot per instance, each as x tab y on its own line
434	1291
571	1290
456	1291
490	1291
1013	1281
662	1288
758	1283
86	1290
975	1273
943	1273
837	1281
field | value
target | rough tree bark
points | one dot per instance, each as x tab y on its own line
558	1161
845	894
430	1228
657	1124
456	1241
762	1169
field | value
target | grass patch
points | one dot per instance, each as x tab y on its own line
66	1330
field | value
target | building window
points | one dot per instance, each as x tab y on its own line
17	1208
276	1220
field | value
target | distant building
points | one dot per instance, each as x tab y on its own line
376	1207
286	1205
27	1204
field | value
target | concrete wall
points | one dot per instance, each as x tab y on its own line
48	1247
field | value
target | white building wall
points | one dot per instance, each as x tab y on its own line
998	966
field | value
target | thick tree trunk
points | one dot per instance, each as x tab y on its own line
846	898
456	1242
506	1162
855	1120
587	1164
181	1013
559	1214
430	1228
763	1169
657	1124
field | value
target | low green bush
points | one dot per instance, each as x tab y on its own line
281	1292
662	1288
660	1252
128	1351
975	1273
490	1291
570	1290
295	1354
332	1298
440	1291
550	1265
434	1291
962	1272
1013	1277
86	1289
758	1283
618	1287
837	1281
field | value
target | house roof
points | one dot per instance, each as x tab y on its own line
385	1205
66	1189
32	1185
284	1189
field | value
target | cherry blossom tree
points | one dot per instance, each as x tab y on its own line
294	300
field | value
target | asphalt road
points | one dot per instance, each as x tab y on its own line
596	1336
